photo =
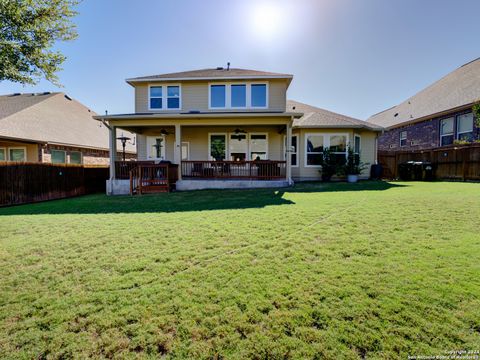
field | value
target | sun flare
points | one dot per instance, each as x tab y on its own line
267	20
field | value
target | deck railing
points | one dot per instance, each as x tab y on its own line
246	170
122	168
146	178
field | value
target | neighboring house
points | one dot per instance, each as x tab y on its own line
439	115
233	128
51	128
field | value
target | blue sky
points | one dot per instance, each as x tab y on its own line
356	57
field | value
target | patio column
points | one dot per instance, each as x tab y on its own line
113	150
288	153
177	154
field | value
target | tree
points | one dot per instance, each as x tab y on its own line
28	31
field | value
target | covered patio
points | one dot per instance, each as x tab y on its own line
204	151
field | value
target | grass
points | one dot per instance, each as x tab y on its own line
372	270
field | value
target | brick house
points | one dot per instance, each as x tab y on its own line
52	128
437	116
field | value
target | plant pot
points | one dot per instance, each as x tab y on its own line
352	178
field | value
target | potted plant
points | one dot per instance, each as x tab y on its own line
353	166
329	165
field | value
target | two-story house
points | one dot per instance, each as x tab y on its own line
233	128
439	115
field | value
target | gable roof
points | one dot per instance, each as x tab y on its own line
214	73
458	89
314	117
51	118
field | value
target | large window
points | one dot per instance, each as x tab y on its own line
446	131
59	157
259	95
217	147
164	97
238	96
357	147
258	146
316	143
465	127
238	147
403	138
3	154
75	157
17	154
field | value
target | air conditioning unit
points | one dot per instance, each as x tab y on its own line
414	143
392	146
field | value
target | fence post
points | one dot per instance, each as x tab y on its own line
464	164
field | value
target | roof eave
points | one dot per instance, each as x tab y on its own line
338	127
194	115
428	117
132	81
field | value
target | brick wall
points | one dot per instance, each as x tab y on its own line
421	135
89	156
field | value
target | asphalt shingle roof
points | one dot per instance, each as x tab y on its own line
459	88
51	118
213	73
314	117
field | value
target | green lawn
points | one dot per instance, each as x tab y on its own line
371	270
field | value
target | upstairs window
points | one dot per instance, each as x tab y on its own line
17	154
259	95
156	97
403	138
75	157
164	97
446	131
465	127
217	96
238	96
173	97
3	154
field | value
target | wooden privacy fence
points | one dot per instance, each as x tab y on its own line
22	183
459	162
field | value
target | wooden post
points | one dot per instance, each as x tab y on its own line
140	175
113	151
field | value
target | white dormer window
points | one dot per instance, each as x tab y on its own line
238	96
164	97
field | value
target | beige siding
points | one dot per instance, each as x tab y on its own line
31	149
195	96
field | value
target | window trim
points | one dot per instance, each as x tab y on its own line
51	156
24	148
457	123
325	144
209	157
296	150
406	138
453	118
5	152
70	157
248	94
165	97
